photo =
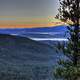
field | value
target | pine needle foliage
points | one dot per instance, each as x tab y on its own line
69	69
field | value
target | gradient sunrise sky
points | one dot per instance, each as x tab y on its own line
28	13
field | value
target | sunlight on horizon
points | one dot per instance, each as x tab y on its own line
27	22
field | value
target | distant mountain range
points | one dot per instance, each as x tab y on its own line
61	28
21	57
17	48
45	34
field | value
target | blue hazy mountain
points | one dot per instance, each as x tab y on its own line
25	30
22	58
40	33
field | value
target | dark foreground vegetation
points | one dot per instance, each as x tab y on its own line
69	69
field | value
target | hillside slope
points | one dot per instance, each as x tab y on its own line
18	50
24	59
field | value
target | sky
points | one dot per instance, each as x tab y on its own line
27	11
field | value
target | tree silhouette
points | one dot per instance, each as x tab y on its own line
69	69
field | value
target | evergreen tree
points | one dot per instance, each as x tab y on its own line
69	69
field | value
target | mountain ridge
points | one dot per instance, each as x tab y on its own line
22	49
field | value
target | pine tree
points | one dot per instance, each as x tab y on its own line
69	69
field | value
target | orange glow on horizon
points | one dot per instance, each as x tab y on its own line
28	26
21	22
